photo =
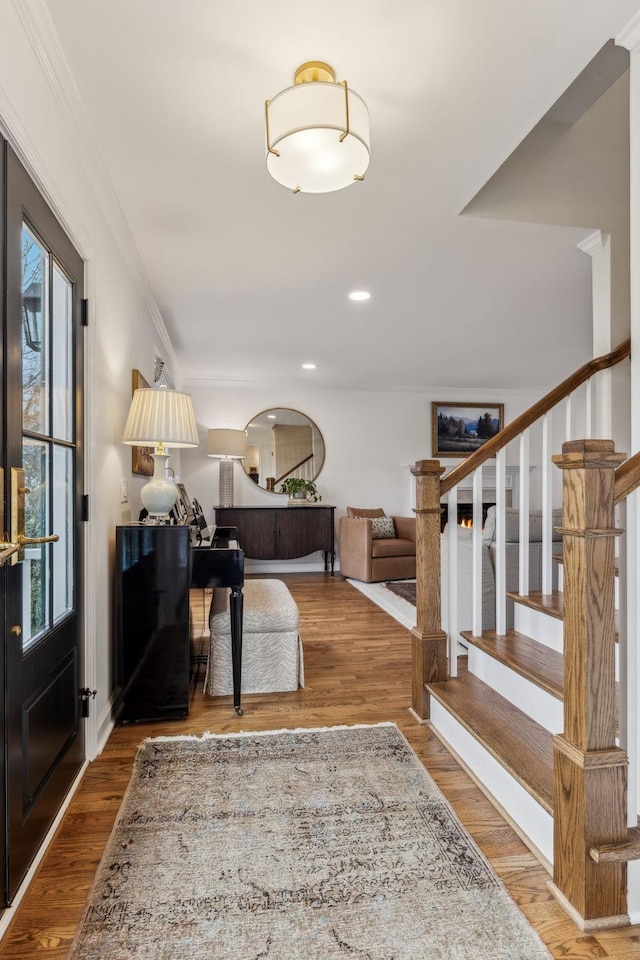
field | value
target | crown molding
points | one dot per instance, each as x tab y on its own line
14	132
41	33
447	393
594	243
629	36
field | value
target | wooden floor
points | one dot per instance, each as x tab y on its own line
358	670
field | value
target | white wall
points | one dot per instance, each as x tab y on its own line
371	440
124	331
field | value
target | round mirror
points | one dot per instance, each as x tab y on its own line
282	443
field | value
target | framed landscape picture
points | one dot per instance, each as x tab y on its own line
457	429
141	461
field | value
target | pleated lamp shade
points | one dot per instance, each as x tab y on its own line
159	416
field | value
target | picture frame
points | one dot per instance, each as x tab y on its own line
141	457
459	429
184	504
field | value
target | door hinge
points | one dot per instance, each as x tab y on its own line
84	313
85	506
85	695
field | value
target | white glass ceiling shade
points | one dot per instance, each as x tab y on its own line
161	417
314	143
227	444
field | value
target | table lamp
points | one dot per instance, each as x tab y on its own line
227	446
161	418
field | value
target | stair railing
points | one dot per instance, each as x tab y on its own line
565	412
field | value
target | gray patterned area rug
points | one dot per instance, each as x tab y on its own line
403	588
306	844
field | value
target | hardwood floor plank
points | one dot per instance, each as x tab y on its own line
358	670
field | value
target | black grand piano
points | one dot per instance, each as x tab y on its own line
222	565
155	568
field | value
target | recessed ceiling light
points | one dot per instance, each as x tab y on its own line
308	366
271	416
360	295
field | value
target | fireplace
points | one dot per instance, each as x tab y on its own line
465	513
465	503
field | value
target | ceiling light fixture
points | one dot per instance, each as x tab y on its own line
308	366
317	132
360	295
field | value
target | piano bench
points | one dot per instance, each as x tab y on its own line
272	657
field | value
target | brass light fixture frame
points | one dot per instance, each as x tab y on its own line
314	71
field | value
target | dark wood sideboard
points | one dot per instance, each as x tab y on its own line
282	533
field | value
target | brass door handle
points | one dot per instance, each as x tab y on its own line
22	540
7	550
18	491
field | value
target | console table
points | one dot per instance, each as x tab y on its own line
282	533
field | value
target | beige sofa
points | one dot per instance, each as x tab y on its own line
372	559
512	548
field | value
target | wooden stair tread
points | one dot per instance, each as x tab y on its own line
549	603
531	659
520	745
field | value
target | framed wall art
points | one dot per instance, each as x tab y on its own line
141	462
458	429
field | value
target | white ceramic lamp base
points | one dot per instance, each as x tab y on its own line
159	495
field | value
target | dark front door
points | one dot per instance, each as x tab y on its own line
43	481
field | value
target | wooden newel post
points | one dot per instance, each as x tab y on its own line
590	772
429	640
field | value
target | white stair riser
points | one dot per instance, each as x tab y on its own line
539	626
523	694
534	822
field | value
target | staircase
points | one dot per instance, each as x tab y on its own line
535	713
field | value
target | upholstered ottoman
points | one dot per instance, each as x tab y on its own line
272	659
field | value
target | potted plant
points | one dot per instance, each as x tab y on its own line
299	489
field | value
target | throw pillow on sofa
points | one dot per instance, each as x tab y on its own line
382	528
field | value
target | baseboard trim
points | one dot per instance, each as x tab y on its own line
417	718
9	912
540	857
587	926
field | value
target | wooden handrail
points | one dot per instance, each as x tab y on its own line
295	467
627	478
517	426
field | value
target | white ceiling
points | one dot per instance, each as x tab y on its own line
251	280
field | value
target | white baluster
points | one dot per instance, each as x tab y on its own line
547	502
477	552
499	559
588	410
452	580
568	418
523	504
